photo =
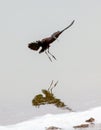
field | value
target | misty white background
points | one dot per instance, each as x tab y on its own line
23	72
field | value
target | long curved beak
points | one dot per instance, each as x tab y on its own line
68	26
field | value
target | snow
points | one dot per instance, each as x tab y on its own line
66	121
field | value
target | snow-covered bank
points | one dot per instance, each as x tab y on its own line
66	121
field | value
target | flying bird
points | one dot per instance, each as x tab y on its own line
45	43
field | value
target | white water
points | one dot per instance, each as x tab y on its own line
66	121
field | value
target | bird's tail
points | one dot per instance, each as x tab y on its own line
34	46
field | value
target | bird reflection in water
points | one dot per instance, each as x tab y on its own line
47	97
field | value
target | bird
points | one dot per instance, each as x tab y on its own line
45	43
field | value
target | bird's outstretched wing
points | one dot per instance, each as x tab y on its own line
34	46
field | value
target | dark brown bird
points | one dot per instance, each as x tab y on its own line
45	43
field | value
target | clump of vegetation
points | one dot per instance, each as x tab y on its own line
47	97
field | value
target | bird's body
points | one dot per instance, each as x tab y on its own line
45	43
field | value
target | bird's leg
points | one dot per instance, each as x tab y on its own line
48	56
51	54
50	85
53	86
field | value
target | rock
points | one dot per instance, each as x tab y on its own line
90	120
81	126
53	128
